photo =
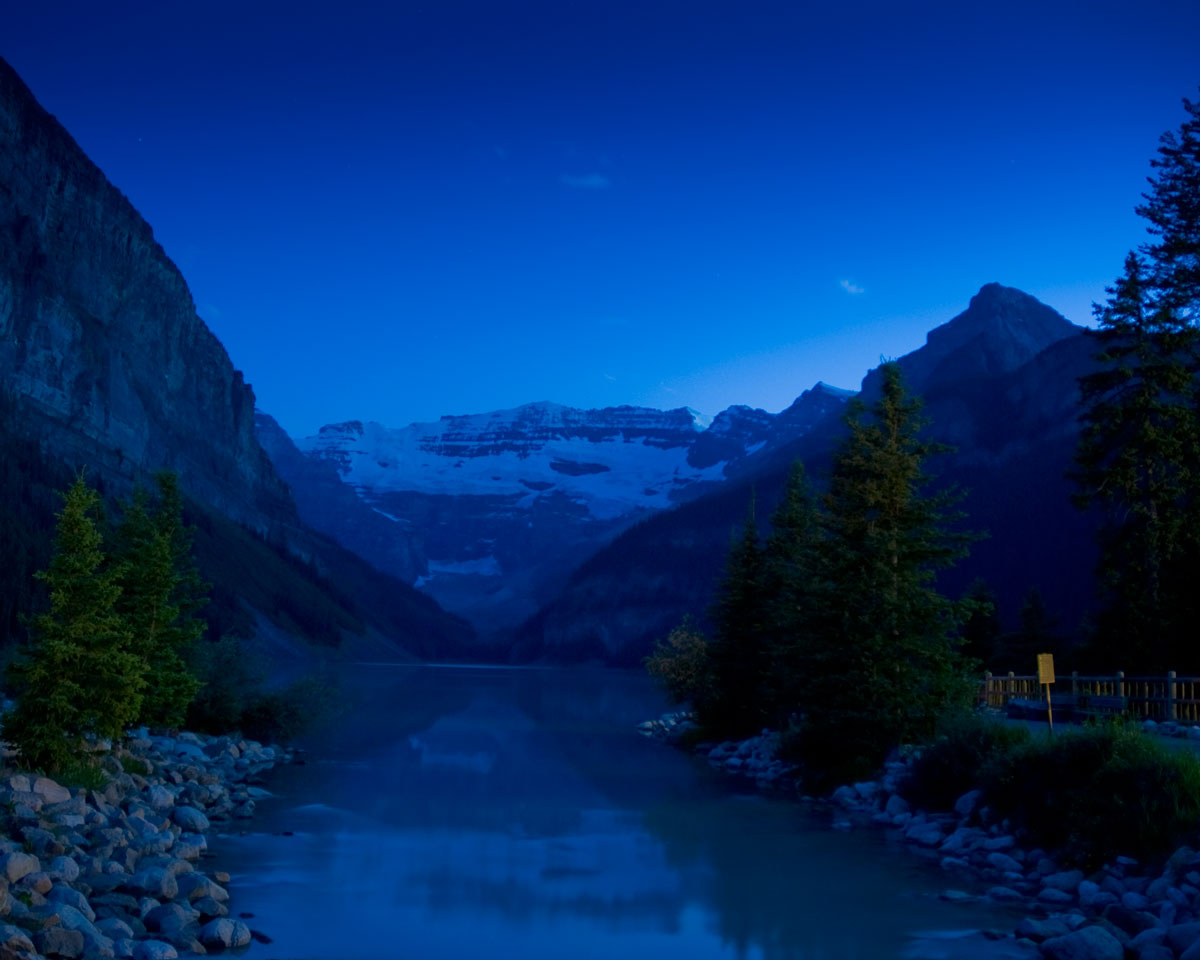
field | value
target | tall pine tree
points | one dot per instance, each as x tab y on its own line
1139	451
793	592
884	663
737	652
1138	460
154	562
79	675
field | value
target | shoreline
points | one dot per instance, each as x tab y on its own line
116	872
1118	911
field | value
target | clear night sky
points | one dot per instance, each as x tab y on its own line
393	211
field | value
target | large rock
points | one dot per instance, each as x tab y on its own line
190	819
217	934
965	805
16	865
1087	943
1183	935
1067	880
159	797
154	950
50	791
72	898
1003	862
59	942
157	882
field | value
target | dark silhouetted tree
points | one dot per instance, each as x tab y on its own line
885	664
79	675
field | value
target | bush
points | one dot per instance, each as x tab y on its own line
281	716
952	764
1098	792
681	665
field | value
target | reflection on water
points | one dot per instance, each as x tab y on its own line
464	813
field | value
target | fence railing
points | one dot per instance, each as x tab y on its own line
1167	697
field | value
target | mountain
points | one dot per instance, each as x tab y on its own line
998	382
105	366
497	508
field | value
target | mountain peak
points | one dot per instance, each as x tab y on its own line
1001	329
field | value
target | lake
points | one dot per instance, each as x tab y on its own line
455	813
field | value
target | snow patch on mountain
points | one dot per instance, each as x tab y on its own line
612	461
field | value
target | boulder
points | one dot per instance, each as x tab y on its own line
965	805
64	868
896	804
16	865
50	791
1055	897
72	898
15	938
59	942
156	882
1067	880
1131	921
925	834
154	950
1003	862
1039	930
159	797
217	934
190	819
1087	943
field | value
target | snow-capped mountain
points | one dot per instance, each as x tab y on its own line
501	507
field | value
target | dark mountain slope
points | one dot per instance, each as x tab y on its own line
1001	390
105	365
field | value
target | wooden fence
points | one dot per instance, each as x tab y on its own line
1167	697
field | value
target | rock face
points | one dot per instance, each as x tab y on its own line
105	365
99	335
998	382
494	510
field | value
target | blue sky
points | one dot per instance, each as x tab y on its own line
397	211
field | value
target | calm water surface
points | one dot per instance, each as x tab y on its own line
463	813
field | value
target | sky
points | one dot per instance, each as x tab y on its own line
396	211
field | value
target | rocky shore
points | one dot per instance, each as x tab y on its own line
116	871
1123	910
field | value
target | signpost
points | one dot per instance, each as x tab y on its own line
1045	678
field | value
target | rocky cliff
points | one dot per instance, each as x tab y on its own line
99	334
105	365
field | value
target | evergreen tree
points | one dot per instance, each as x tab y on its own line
79	675
1139	461
737	650
792	592
151	552
982	626
1172	206
885	663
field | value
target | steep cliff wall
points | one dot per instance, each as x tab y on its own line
99	334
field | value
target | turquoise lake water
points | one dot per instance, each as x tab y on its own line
460	813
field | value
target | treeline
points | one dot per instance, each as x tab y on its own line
120	639
833	625
109	652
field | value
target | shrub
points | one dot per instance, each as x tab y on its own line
1099	792
681	665
951	765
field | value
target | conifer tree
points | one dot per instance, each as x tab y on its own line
737	650
792	592
1139	461
1172	206
79	675
1139	451
151	583
982	626
884	664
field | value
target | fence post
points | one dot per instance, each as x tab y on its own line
1120	683
987	688
1171	708
1010	687
1074	683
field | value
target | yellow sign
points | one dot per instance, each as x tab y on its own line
1045	667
